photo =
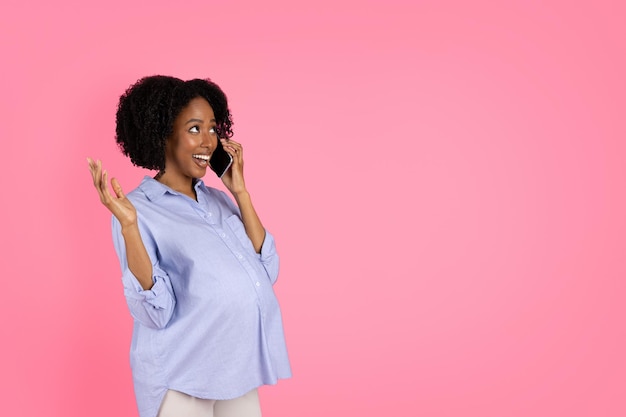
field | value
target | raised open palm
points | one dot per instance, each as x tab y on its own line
118	204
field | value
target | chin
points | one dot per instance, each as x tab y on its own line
200	173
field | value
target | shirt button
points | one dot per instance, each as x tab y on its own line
258	284
222	234
209	214
239	256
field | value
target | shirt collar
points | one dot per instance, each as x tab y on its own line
155	190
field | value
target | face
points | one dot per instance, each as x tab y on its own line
193	140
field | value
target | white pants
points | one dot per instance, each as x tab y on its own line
177	404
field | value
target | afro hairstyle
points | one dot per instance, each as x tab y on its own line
147	110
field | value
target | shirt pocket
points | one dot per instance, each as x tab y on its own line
235	224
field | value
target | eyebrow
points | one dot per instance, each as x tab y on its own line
198	121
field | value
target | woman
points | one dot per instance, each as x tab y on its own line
197	269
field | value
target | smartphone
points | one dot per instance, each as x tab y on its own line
220	160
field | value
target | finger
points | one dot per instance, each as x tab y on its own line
97	177
230	143
236	150
99	171
229	149
92	169
106	193
103	182
234	145
117	188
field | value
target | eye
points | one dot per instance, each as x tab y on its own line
212	130
194	129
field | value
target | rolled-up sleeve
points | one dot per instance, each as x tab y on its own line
154	307
269	257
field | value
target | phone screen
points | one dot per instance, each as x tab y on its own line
220	160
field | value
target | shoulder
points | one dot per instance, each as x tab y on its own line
214	192
136	194
148	190
211	192
220	196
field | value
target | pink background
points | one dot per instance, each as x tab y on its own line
445	181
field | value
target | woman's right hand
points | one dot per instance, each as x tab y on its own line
119	205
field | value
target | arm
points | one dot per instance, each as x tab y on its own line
148	291
234	181
251	221
262	241
124	211
137	257
151	307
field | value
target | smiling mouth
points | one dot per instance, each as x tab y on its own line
202	159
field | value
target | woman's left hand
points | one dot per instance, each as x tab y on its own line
233	178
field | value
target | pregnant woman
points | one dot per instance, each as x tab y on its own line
197	267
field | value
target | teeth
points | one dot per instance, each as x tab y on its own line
205	157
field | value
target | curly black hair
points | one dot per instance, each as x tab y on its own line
147	110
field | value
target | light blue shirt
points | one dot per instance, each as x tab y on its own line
210	326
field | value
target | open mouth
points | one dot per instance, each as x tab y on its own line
202	160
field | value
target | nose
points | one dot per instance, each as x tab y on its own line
209	140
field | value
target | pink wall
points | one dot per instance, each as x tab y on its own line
445	181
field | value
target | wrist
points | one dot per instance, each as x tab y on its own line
130	228
243	194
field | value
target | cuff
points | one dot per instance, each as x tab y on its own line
158	296
268	248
